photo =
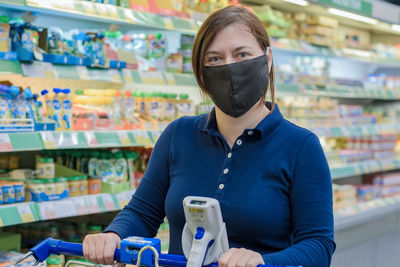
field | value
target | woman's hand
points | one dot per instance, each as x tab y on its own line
100	248
240	257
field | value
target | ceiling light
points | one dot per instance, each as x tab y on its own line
396	27
298	2
353	16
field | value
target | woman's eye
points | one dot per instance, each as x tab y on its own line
243	54
213	59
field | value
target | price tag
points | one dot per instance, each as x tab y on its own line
142	137
91	202
155	134
144	76
114	74
108	202
157	78
48	140
1	223
168	23
49	70
64	208
91	139
193	25
127	76
5	143
112	11
170	78
83	72
129	15
123	198
47	210
88	8
102	9
25	212
124	138
66	140
80	205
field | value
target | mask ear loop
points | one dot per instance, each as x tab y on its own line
266	53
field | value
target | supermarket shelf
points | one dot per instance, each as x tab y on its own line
74	206
356	131
10	142
365	167
104	14
47	70
368	211
340	54
336	91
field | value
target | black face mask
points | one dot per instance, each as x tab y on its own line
237	87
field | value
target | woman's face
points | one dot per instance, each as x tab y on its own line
233	44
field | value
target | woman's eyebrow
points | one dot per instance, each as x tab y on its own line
241	47
212	52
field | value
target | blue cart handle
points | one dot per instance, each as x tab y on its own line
53	246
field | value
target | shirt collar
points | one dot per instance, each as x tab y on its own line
263	129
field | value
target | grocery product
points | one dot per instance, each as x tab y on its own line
66	110
45	168
94	186
57	107
83	186
8	192
74	186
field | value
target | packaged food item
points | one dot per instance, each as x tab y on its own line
66	110
1	195
36	187
121	168
19	189
49	187
94	186
57	107
4	161
73	185
93	164
61	185
94	229
83	186
8	192
46	168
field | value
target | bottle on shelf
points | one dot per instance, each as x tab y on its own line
66	110
57	107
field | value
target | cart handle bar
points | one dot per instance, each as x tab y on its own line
53	246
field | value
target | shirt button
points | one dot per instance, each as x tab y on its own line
250	132
221	186
226	171
239	142
229	155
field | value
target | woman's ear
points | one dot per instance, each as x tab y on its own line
269	60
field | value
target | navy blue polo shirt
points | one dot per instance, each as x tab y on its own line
274	188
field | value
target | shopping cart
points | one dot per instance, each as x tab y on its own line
131	252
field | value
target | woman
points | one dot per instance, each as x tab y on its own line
270	176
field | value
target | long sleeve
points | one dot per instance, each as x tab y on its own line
145	211
311	211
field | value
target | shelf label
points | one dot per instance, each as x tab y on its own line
39	69
1	223
25	212
47	210
127	74
114	74
124	138
129	15
112	11
142	137
83	73
170	78
92	204
5	143
88	8
80	205
109	204
123	198
91	139
66	139
168	23
360	6
155	134
48	140
101	9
